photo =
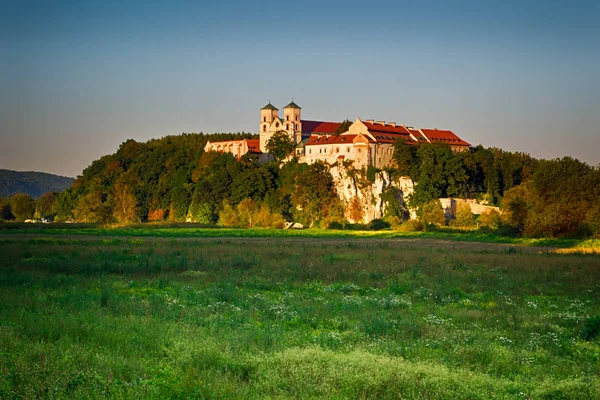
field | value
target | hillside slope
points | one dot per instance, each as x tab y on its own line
32	183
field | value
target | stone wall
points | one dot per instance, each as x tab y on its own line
449	205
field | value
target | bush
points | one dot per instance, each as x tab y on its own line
464	217
394	222
432	213
490	219
412	225
378	224
591	328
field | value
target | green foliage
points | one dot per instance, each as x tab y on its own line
280	145
200	213
314	195
371	173
464	217
561	199
249	214
378	224
490	219
405	158
45	205
162	174
440	174
343	127
5	212
432	214
65	204
591	328
411	225
22	206
91	208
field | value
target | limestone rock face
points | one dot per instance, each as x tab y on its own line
355	190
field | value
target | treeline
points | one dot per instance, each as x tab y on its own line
478	173
173	179
22	206
541	198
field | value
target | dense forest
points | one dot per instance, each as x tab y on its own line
173	179
32	183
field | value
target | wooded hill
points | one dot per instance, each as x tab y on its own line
32	183
173	179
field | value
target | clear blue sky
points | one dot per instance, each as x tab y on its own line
79	78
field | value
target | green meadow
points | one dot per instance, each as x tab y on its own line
155	312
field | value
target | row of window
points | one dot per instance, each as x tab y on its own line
287	118
337	150
287	127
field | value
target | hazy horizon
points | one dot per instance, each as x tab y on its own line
80	79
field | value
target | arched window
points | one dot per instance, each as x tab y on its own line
287	117
264	128
287	127
264	119
276	124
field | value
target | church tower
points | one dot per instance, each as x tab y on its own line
292	122
269	124
267	115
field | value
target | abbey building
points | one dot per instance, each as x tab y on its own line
364	143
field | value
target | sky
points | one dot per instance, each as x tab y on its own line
78	78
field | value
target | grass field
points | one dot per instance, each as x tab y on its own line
199	313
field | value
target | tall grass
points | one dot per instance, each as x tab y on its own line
294	317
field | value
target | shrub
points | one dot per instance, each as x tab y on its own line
156	215
490	219
412	225
394	222
591	328
464	217
432	213
228	217
378	224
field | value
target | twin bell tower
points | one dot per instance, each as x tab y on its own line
270	122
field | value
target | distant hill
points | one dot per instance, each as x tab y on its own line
32	183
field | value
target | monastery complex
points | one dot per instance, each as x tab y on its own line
365	143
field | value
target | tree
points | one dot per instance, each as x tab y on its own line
22	206
432	213
394	204
515	207
464	217
490	219
405	157
90	208
45	205
314	197
5	212
343	127
280	145
65	204
124	208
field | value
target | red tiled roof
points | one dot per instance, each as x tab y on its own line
398	129
436	135
418	135
322	139
309	127
254	146
388	133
